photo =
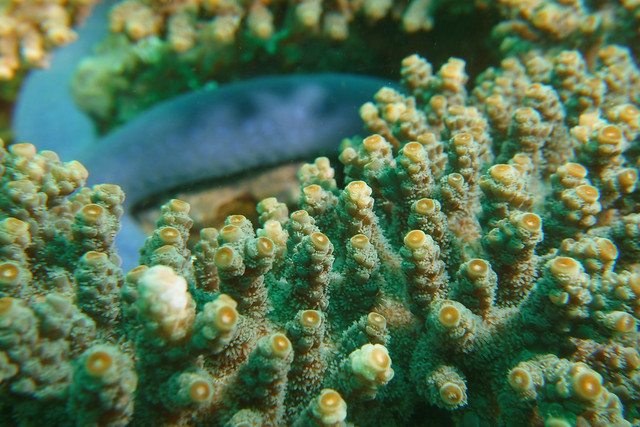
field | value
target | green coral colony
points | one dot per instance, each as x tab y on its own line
419	285
478	267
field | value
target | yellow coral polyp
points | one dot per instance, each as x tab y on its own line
543	18
167	250
169	235
311	319
301	216
453	73
634	284
576	170
280	345
200	391
438	102
308	13
92	213
522	163
20	188
332	408
224	257
224	28
379	358
15	225
449	316
520	379
9	274
319	241
392	112
369	114
632	358
226	318
371	365
533	91
313	191
24	150
414	151
620	321
531	222
135	273
477	132
260	21
627	180
273	231
494	101
608	250
236	220
463	139
93	258
181	34
109	189
415	239
136	30
625	323
629	113
565	266
609	53
425	206
268	204
377	320
588	193
60	35
179	206
265	247
477	268
610	134
77	171
451	394
230	233
98	363
586	383
455	180
525	115
360	241
505	174
359	192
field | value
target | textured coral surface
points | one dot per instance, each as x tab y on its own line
159	48
478	265
29	31
471	259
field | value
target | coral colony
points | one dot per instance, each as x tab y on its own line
477	264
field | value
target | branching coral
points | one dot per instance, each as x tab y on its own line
29	29
195	43
190	44
477	266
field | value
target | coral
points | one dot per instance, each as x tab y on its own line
476	264
191	44
30	29
325	105
195	44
